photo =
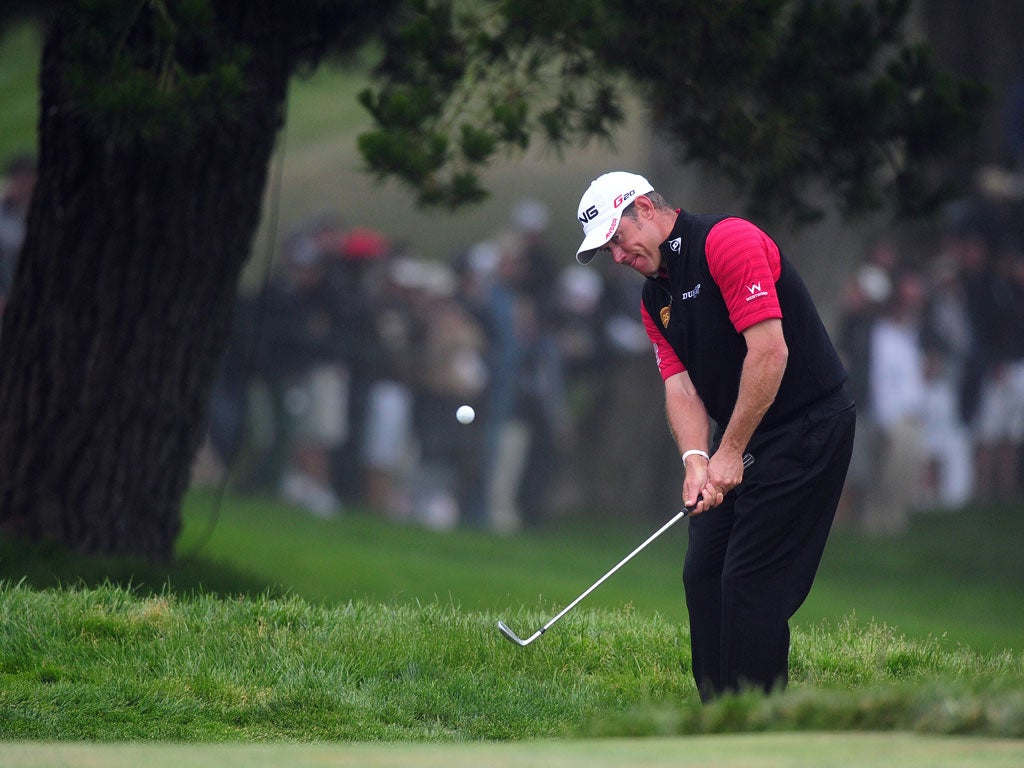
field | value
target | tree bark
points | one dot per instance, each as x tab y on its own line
120	313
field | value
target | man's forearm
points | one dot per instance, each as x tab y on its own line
687	417
760	378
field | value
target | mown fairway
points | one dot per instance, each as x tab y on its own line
762	751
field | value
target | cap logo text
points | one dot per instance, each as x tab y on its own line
623	198
588	215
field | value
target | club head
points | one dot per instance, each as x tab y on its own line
510	634
507	632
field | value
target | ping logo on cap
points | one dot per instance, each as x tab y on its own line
588	215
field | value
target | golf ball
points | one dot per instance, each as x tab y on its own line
465	414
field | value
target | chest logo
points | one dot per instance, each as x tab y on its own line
690	294
665	314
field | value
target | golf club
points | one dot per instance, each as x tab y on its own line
507	631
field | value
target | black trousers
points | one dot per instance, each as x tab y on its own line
750	562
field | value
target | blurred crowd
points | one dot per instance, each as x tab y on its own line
932	329
343	374
341	382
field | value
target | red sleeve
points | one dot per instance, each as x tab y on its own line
664	355
745	264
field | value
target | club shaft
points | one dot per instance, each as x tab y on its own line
679	516
747	461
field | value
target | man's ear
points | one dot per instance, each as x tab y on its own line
644	207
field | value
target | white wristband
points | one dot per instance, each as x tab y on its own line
693	452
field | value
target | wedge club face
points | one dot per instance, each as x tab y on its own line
507	632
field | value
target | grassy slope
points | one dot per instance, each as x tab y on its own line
958	575
389	634
955	576
103	664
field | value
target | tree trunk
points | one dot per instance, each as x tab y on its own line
120	313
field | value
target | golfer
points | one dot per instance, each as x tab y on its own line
748	367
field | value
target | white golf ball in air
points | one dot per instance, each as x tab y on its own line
465	414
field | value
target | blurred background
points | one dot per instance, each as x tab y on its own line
364	321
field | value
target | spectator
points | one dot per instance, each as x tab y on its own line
355	269
579	320
452	372
375	342
862	301
388	428
948	466
967	242
541	406
948	343
632	444
948	324
897	396
303	365
506	437
1000	418
229	397
477	277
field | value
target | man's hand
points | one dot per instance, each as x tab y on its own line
711	481
694	485
725	472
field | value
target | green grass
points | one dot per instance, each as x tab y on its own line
955	578
103	664
20	48
956	575
762	751
277	625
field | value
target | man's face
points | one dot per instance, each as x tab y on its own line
635	244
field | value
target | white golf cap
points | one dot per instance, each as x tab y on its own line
601	208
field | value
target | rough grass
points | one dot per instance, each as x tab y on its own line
275	625
103	664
